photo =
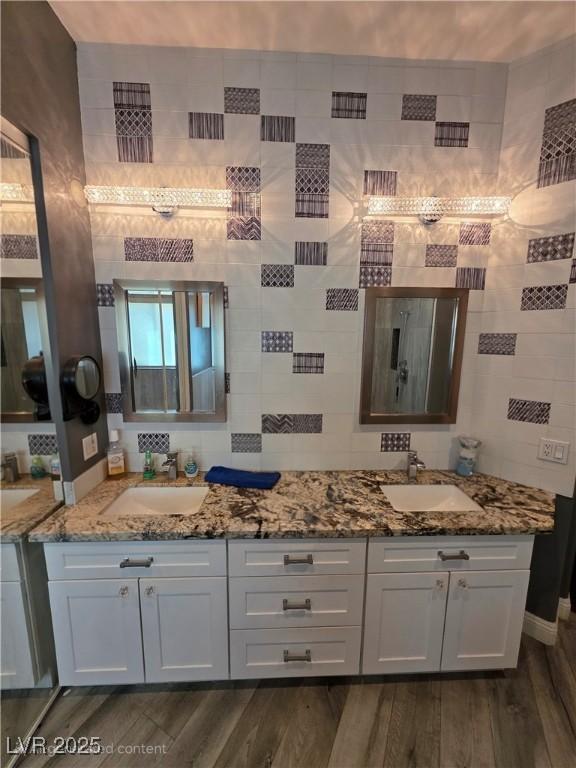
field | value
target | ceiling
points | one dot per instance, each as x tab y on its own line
459	30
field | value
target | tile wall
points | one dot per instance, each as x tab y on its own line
299	139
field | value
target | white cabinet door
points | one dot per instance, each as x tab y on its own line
97	631
16	665
404	622
484	619
185	629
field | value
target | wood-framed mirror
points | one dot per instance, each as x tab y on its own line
412	355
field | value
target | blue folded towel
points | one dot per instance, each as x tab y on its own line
242	479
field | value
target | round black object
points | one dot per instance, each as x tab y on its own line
81	378
34	380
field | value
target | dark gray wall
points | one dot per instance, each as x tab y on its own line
40	96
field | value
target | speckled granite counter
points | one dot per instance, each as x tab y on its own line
18	521
311	504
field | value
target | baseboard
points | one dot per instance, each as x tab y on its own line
540	629
564	608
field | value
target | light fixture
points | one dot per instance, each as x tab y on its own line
163	200
431	209
16	193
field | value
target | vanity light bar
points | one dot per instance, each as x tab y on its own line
160	197
436	207
16	193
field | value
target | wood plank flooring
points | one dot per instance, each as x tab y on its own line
522	718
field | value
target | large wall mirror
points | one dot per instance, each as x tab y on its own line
171	345
412	355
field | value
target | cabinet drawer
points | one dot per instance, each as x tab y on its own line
449	553
256	653
102	560
296	601
296	556
9	569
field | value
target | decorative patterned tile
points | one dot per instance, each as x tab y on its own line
558	152
243	228
18	247
157	442
348	104
133	118
451	134
380	182
277	341
241	178
418	107
441	255
205	125
342	299
227	383
573	271
104	295
543	297
277	275
291	423
311	206
242	101
310	253
312	181
532	411
277	128
113	402
308	362
246	442
313	156
550	248
158	249
395	442
475	234
376	254
473	278
377	231
42	445
375	277
497	344
245	204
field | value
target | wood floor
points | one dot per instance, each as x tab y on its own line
514	719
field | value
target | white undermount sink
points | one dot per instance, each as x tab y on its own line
136	502
9	498
429	498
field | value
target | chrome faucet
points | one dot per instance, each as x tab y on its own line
413	465
172	464
9	465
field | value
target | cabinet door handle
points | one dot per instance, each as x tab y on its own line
306	656
439	583
149	591
123	591
145	562
295	560
462	555
306	605
462	583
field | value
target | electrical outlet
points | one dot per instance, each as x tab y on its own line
90	446
553	450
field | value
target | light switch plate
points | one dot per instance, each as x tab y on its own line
553	450
90	446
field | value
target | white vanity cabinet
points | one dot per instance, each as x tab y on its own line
442	604
140	616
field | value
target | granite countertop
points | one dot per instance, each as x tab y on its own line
18	521
310	504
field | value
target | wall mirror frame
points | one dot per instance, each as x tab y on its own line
436	359
171	350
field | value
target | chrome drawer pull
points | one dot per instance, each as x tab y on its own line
294	560
146	562
305	606
306	656
459	556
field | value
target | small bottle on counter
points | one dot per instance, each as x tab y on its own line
468	455
37	468
190	468
116	464
149	471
